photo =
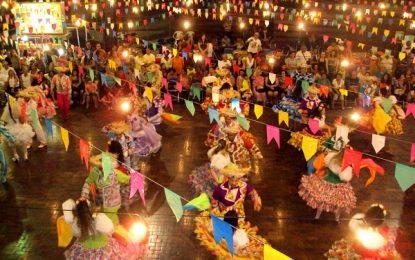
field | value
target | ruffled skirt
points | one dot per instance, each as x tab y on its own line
327	196
394	126
202	180
204	233
23	133
112	251
47	110
144	148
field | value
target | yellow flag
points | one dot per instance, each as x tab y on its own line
149	93
309	146
361	45
258	110
64	231
285	28
272	254
174	52
70	66
65	137
386	32
5	26
392	13
375	30
402	22
402	55
380	120
344	92
283	117
137	40
245	85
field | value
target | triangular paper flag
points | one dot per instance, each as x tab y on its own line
137	184
213	115
309	146
305	85
410	109
106	163
273	132
272	254
344	92
378	142
168	101
272	77
35	118
190	106
84	151
65	138
149	93
201	203
283	117
221	229
405	176
258	110
243	122
171	117
235	105
196	92
249	72
175	203
387	104
412	158
314	125
49	130
402	56
343	133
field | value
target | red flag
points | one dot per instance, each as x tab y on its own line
236	68
324	90
207	61
288	81
352	158
83	151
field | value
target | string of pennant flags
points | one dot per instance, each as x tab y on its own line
221	229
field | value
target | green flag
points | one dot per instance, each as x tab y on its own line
196	92
249	72
387	104
201	203
305	85
91	75
35	118
175	203
106	162
190	106
243	122
405	176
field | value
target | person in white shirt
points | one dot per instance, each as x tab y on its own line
338	83
303	56
148	58
254	44
224	63
386	63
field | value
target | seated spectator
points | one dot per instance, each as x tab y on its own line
338	84
258	87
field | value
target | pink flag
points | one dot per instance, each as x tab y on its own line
352	158
137	184
179	86
412	152
314	125
83	151
132	86
164	82
325	38
168	101
273	132
410	109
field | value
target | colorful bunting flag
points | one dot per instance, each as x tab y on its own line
213	115
258	110
313	124
201	202
273	132
410	109
243	122
221	229
48	124
283	117
137	184
272	254
168	101
84	151
65	138
148	93
378	142
352	158
175	203
405	176
190	106
106	163
309	146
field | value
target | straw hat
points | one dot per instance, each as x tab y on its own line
118	127
232	129
233	171
228	112
222	72
28	93
61	69
313	90
153	68
230	93
96	159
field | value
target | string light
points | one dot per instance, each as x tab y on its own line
130	24
370	239
271	60
242	25
301	26
345	63
358	13
307	5
344	7
61	52
355	117
25	38
125	106
382	6
137	232
125	53
94	7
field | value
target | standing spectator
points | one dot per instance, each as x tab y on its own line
303	56
400	88
61	85
25	78
291	63
332	65
77	87
15	62
225	63
202	45
12	83
178	63
254	44
321	62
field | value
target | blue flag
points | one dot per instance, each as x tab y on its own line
221	229
103	79
213	115
48	124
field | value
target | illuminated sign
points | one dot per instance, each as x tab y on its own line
39	18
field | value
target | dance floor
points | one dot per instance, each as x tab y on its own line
29	203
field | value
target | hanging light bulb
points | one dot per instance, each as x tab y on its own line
242	25
186	25
345	63
301	26
344	7
370	238
382	6
358	13
130	25
137	232
94	7
135	9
